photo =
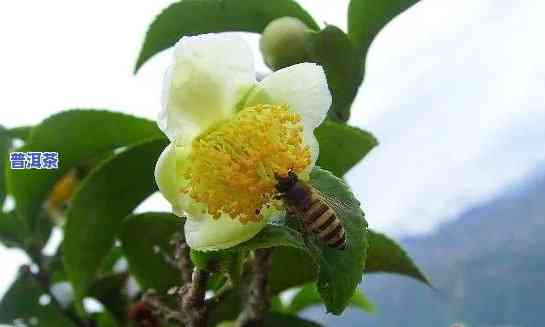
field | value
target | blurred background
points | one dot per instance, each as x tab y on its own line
454	91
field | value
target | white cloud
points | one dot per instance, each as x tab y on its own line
459	112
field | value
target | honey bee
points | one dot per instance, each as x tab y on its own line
315	210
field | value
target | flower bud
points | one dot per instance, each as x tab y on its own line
282	43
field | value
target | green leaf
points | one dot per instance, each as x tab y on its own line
77	135
106	196
359	300
278	319
109	290
340	271
385	255
308	296
228	309
276	305
291	267
22	302
113	257
12	232
367	17
342	146
15	234
105	319
21	133
192	17
145	239
333	50
271	236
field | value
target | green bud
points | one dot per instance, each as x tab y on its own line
282	42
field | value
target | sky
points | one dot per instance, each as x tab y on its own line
454	91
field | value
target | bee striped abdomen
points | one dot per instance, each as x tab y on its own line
317	215
323	221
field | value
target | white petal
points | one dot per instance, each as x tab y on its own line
303	87
204	233
210	75
310	140
165	176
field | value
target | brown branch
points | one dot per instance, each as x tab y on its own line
259	297
193	308
161	309
193	305
184	260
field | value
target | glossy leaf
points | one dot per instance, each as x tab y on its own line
145	239
340	270
15	234
12	232
109	290
342	146
367	17
291	267
113	257
21	133
22	302
192	17
333	50
308	296
272	236
385	255
77	135
106	196
359	300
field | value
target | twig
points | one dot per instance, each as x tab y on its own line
193	308
43	278
184	261
152	299
258	299
193	305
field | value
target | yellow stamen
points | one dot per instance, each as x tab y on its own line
232	168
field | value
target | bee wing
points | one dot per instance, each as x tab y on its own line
339	206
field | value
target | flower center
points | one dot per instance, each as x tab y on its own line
232	168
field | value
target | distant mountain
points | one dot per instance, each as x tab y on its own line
488	265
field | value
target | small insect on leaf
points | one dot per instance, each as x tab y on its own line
317	215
